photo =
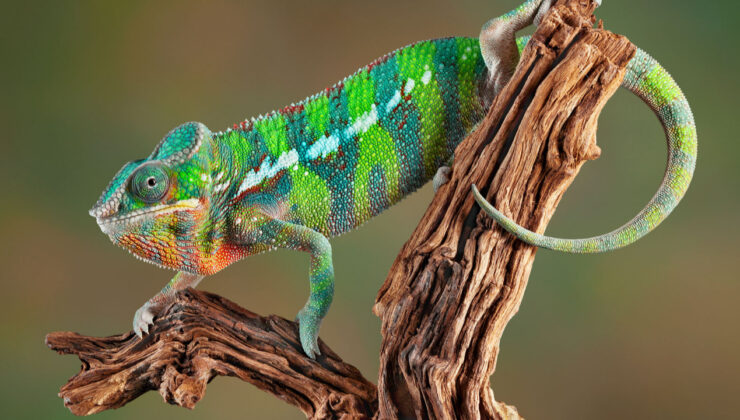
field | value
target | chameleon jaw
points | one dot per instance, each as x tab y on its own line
151	234
109	221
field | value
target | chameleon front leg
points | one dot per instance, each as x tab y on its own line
144	316
288	235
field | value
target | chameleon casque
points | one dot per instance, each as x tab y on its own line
323	166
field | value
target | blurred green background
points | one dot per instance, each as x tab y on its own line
650	331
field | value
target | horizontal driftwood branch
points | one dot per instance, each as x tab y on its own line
450	293
202	335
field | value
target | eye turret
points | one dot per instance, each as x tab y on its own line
150	183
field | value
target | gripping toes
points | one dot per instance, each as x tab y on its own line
144	317
441	177
308	329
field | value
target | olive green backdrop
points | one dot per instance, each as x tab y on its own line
650	331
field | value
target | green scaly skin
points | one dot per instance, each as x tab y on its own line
323	166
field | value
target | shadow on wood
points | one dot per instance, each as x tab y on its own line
451	291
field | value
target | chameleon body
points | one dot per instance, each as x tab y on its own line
325	165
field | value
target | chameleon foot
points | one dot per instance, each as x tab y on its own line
308	327
144	317
441	177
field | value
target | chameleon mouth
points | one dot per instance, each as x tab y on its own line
160	209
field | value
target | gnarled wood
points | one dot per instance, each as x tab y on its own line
202	335
451	291
459	279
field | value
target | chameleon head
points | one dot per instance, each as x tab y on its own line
157	207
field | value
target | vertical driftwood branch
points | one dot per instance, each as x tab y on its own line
458	281
450	293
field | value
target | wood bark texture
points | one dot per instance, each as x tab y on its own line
202	335
460	278
450	292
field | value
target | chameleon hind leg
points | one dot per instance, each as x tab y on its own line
321	276
501	54
498	39
498	42
144	316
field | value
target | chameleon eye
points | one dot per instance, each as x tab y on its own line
150	183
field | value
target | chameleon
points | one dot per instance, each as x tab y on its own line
323	166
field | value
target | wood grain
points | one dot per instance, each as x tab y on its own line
200	336
458	281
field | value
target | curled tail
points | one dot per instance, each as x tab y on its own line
652	83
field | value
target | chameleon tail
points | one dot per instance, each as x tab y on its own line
652	83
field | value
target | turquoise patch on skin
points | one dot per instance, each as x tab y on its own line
118	180
180	142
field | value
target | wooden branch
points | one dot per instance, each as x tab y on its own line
202	335
459	279
450	293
